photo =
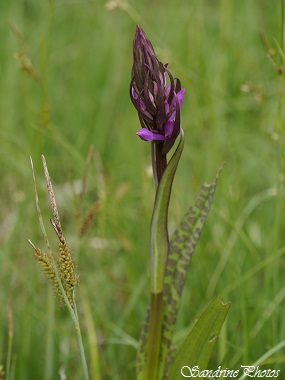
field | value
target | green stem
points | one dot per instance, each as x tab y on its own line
155	324
10	339
74	316
9	357
80	342
282	28
49	350
160	160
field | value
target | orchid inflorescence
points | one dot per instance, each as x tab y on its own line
156	95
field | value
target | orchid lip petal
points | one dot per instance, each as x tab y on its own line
147	135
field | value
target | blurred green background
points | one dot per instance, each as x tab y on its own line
64	86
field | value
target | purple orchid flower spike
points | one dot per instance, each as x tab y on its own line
157	98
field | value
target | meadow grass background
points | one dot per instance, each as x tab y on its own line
233	112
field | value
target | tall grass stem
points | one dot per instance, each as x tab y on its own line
49	350
10	339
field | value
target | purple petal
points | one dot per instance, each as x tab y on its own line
172	116
134	95
168	128
147	135
180	96
151	98
166	107
147	115
141	104
155	88
167	91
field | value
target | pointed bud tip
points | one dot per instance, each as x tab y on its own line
139	30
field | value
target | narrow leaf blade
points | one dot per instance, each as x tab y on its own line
158	249
158	231
198	346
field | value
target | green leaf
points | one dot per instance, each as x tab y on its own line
158	251
181	249
141	350
158	231
198	346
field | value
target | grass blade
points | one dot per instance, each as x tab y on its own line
92	338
